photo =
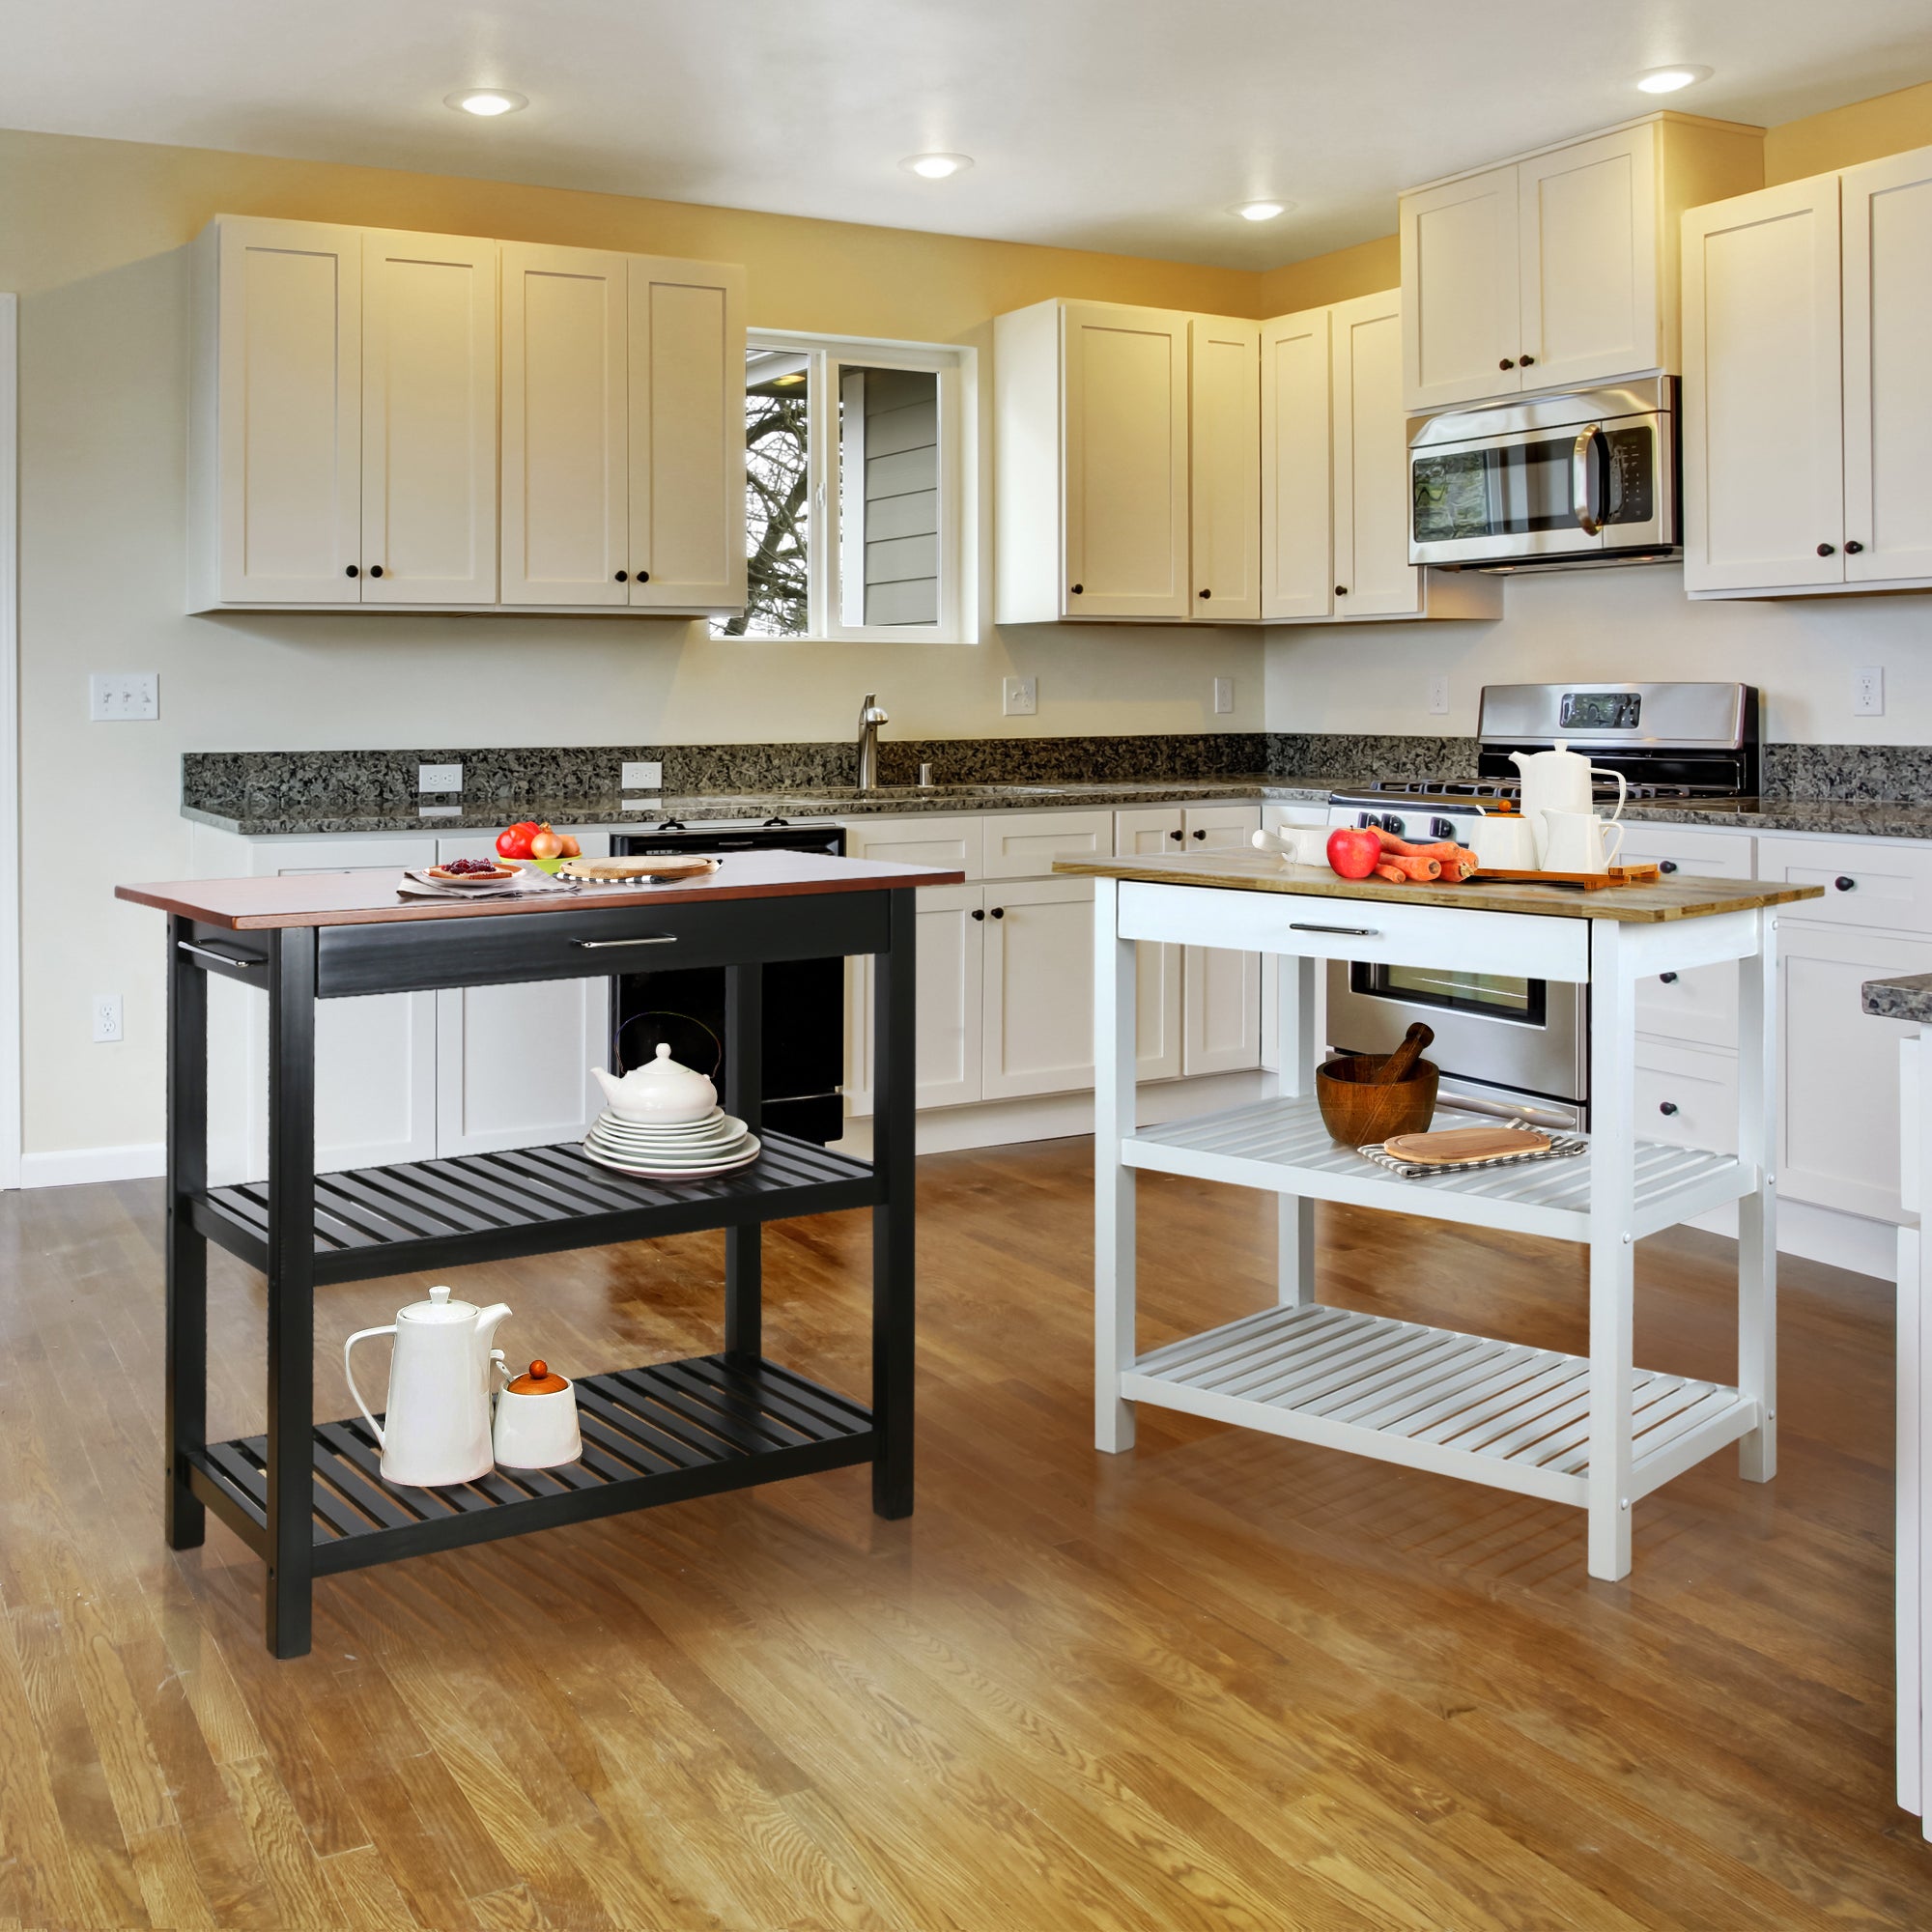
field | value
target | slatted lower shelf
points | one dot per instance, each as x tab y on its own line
1489	1412
491	1206
1282	1145
654	1434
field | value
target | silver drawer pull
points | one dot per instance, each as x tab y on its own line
246	959
649	939
1347	931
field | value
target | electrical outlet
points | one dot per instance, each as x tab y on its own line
1224	694
1022	696
106	1018
1438	694
439	777
127	696
1868	691
641	775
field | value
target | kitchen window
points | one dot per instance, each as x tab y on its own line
857	480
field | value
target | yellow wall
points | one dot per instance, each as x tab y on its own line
1864	131
1361	271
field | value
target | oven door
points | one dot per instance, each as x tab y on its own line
1577	489
1531	1036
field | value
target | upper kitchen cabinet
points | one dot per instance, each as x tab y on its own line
1558	270
1335	475
1224	414
1807	393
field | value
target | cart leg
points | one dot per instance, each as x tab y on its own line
894	1047
1114	986
186	1343
1757	1213
291	1285
1295	1049
1612	1273
744	1094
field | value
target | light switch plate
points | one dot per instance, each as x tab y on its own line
1868	691
439	777
123	696
641	775
1022	696
1438	694
1224	694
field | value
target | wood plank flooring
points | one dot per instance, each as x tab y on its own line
1224	1682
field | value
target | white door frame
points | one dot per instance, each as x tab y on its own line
10	742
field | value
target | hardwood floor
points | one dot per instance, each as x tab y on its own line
1224	1682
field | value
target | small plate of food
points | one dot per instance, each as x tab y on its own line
472	872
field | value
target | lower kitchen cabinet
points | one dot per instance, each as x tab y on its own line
1699	1005
1221	991
1686	1095
950	975
1038	988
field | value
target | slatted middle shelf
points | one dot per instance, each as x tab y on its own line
1489	1412
485	1206
1282	1145
654	1434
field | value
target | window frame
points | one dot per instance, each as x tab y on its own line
828	359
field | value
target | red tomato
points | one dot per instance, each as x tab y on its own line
1354	851
515	841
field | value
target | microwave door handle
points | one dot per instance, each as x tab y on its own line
1588	521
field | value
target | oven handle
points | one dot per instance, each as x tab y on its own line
1347	931
650	939
1563	1120
1588	521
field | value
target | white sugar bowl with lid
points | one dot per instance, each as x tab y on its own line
659	1094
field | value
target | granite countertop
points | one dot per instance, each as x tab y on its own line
1909	996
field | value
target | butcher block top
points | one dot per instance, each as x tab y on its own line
1262	872
371	898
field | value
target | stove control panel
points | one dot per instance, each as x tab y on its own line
1395	822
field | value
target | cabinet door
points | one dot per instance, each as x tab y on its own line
1685	1098
1221	991
949	988
1150	832
687	435
1838	1108
1699	1004
1589	261
429	419
565	436
1298	574
1461	306
1763	413
1124	446
289	406
1888	282
1040	988
1223	394
1374	577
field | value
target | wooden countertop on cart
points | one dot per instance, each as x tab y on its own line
1262	872
371	897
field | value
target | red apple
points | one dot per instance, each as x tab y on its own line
1354	851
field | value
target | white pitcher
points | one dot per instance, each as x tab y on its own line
1559	781
1574	843
436	1429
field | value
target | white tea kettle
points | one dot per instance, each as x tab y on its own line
659	1094
437	1429
1559	781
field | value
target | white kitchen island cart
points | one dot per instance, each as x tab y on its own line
1594	1431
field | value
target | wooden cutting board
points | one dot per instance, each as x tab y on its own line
621	871
1455	1143
1591	882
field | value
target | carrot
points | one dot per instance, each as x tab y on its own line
1386	871
1423	870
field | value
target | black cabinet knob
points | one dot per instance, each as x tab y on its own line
1176	836
978	913
1853	548
623	576
1667	865
1844	884
1206	593
1666	1107
1508	362
999	911
1201	835
375	570
1341	590
1528	362
1827	550
1078	588
643	577
351	571
1668	978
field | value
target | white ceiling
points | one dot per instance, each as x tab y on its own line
1121	125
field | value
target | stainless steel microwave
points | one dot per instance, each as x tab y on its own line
1550	483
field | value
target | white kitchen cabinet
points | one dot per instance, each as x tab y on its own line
566	440
686	389
1699	1005
1373	571
1686	1096
1558	270
1298	577
1274	818
1152	831
1223	467
1878	883
1038	988
1221	991
276	422
429	419
1024	844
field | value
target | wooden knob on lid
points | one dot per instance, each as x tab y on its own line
538	1381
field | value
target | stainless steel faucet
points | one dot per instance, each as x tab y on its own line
870	718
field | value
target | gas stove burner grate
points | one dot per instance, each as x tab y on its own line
1512	788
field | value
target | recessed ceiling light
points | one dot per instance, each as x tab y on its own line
1668	79
936	167
486	101
1260	210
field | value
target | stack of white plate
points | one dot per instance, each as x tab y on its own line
686	1152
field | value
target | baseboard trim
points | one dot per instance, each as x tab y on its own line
73	1166
1854	1242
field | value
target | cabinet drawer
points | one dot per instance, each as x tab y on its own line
1687	1097
1024	844
1689	850
1866	881
949	842
1698	1005
1149	832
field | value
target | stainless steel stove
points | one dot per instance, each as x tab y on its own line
1522	1046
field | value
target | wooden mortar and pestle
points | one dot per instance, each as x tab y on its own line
1366	1097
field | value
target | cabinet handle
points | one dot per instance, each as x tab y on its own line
999	911
351	571
604	944
1176	836
375	570
1526	362
1341	590
643	577
1666	1107
1853	548
1206	593
1347	931
1828	550
979	912
1508	362
1845	883
1200	832
1668	978
623	576
1667	865
1078	588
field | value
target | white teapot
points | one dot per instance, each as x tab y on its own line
659	1094
436	1429
1559	781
